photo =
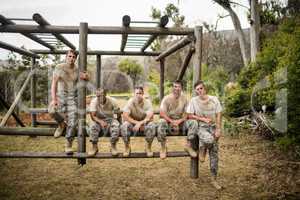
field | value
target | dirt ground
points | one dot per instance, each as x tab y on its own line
249	168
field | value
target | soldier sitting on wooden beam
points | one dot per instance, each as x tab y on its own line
63	106
102	109
138	116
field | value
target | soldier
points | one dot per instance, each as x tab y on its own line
204	114
102	110
172	113
63	106
137	116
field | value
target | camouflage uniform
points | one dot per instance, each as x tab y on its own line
66	96
105	113
175	109
205	132
138	112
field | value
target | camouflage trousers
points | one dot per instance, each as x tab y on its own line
207	141
126	131
97	131
66	111
163	128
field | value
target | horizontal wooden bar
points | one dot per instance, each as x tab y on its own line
95	30
43	22
50	123
180	44
18	50
61	155
29	131
119	53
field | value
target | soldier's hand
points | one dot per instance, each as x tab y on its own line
54	103
84	76
217	133
103	124
207	120
137	127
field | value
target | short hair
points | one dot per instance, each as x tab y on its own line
200	82
101	90
72	51
139	88
179	82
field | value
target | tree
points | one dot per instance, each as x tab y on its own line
132	68
254	29
238	28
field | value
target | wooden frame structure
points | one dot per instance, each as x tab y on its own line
131	37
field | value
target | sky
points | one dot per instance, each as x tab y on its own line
107	13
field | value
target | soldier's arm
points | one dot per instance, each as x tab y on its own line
129	119
148	117
97	120
54	90
218	124
165	116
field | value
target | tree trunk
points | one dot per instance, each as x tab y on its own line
254	29
238	28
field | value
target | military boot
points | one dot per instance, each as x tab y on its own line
94	150
113	149
68	147
202	154
215	183
149	149
59	130
191	151
163	151
127	150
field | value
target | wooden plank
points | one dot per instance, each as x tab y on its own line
18	50
43	22
38	131
162	80
185	63
14	104
98	71
95	30
83	38
33	92
117	53
198	55
180	44
18	120
61	155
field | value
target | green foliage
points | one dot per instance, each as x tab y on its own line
132	68
275	73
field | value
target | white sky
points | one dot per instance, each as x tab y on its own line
106	13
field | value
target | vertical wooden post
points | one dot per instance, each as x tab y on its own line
83	34
98	73
162	79
33	93
197	55
194	166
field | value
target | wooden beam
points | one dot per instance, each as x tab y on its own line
180	44
83	39
162	23
185	63
38	131
194	164
162	80
98	71
6	21
125	22
95	30
43	22
18	50
198	55
33	92
18	120
14	104
61	155
118	53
